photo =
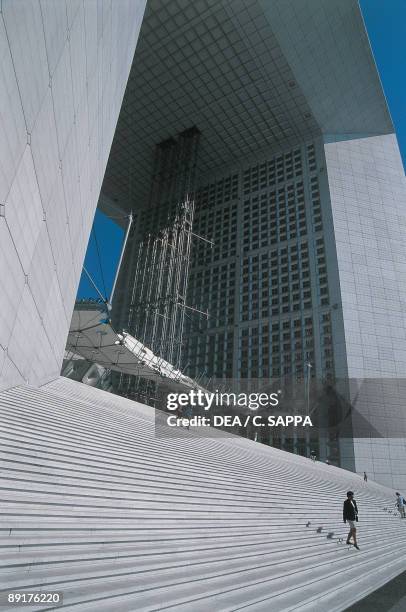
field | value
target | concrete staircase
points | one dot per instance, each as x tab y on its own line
125	514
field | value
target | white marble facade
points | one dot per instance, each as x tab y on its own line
64	68
367	191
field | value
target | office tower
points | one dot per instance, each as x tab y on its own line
299	185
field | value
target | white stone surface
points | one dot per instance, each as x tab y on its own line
123	513
367	188
63	67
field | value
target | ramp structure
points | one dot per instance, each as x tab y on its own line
101	500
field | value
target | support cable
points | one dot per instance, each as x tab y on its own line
95	286
99	260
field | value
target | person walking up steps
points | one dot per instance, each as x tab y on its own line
400	503
350	514
365	477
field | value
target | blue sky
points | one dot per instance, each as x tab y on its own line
105	239
386	25
385	21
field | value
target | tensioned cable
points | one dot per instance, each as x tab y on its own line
94	285
99	259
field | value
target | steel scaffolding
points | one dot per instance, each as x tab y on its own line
159	284
157	309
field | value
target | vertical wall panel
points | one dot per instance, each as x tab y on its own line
23	213
13	135
59	105
368	198
55	30
23	21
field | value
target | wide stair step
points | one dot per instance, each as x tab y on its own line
103	502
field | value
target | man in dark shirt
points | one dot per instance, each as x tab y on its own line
350	514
